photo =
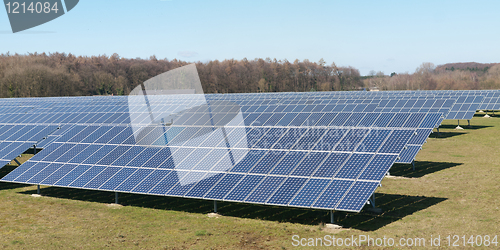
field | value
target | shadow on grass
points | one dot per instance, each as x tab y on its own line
6	185
481	115
397	207
463	125
421	168
444	135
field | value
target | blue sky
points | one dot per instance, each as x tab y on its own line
388	36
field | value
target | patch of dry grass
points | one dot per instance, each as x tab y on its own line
454	190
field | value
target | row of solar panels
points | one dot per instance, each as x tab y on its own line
463	108
357	164
58	116
153	135
270	164
113	167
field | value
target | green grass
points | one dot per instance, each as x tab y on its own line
454	190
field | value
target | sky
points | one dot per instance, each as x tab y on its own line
388	36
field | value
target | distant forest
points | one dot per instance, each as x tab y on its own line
448	76
60	74
68	75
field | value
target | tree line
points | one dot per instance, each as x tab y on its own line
466	76
60	74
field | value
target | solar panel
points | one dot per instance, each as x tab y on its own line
326	150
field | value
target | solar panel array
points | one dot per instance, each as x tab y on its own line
325	150
16	139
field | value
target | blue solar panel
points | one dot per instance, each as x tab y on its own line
220	190
408	154
72	175
356	198
168	182
351	140
131	182
309	139
244	187
151	180
333	194
229	143
117	178
378	167
331	165
309	193
268	161
373	141
266	188
87	176
18	171
396	141
285	193
252	157
309	164
354	166
102	177
288	162
330	139
40	176
203	186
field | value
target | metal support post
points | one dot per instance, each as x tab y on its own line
116	197
215	206
18	163
413	165
332	219
34	149
468	122
372	200
38	189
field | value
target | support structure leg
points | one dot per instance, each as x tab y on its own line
215	206
18	163
116	197
413	165
37	189
373	208
372	200
332	219
468	122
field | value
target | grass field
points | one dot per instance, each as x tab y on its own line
454	191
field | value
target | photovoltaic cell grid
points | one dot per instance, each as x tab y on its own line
491	101
267	159
16	139
114	111
125	168
189	179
